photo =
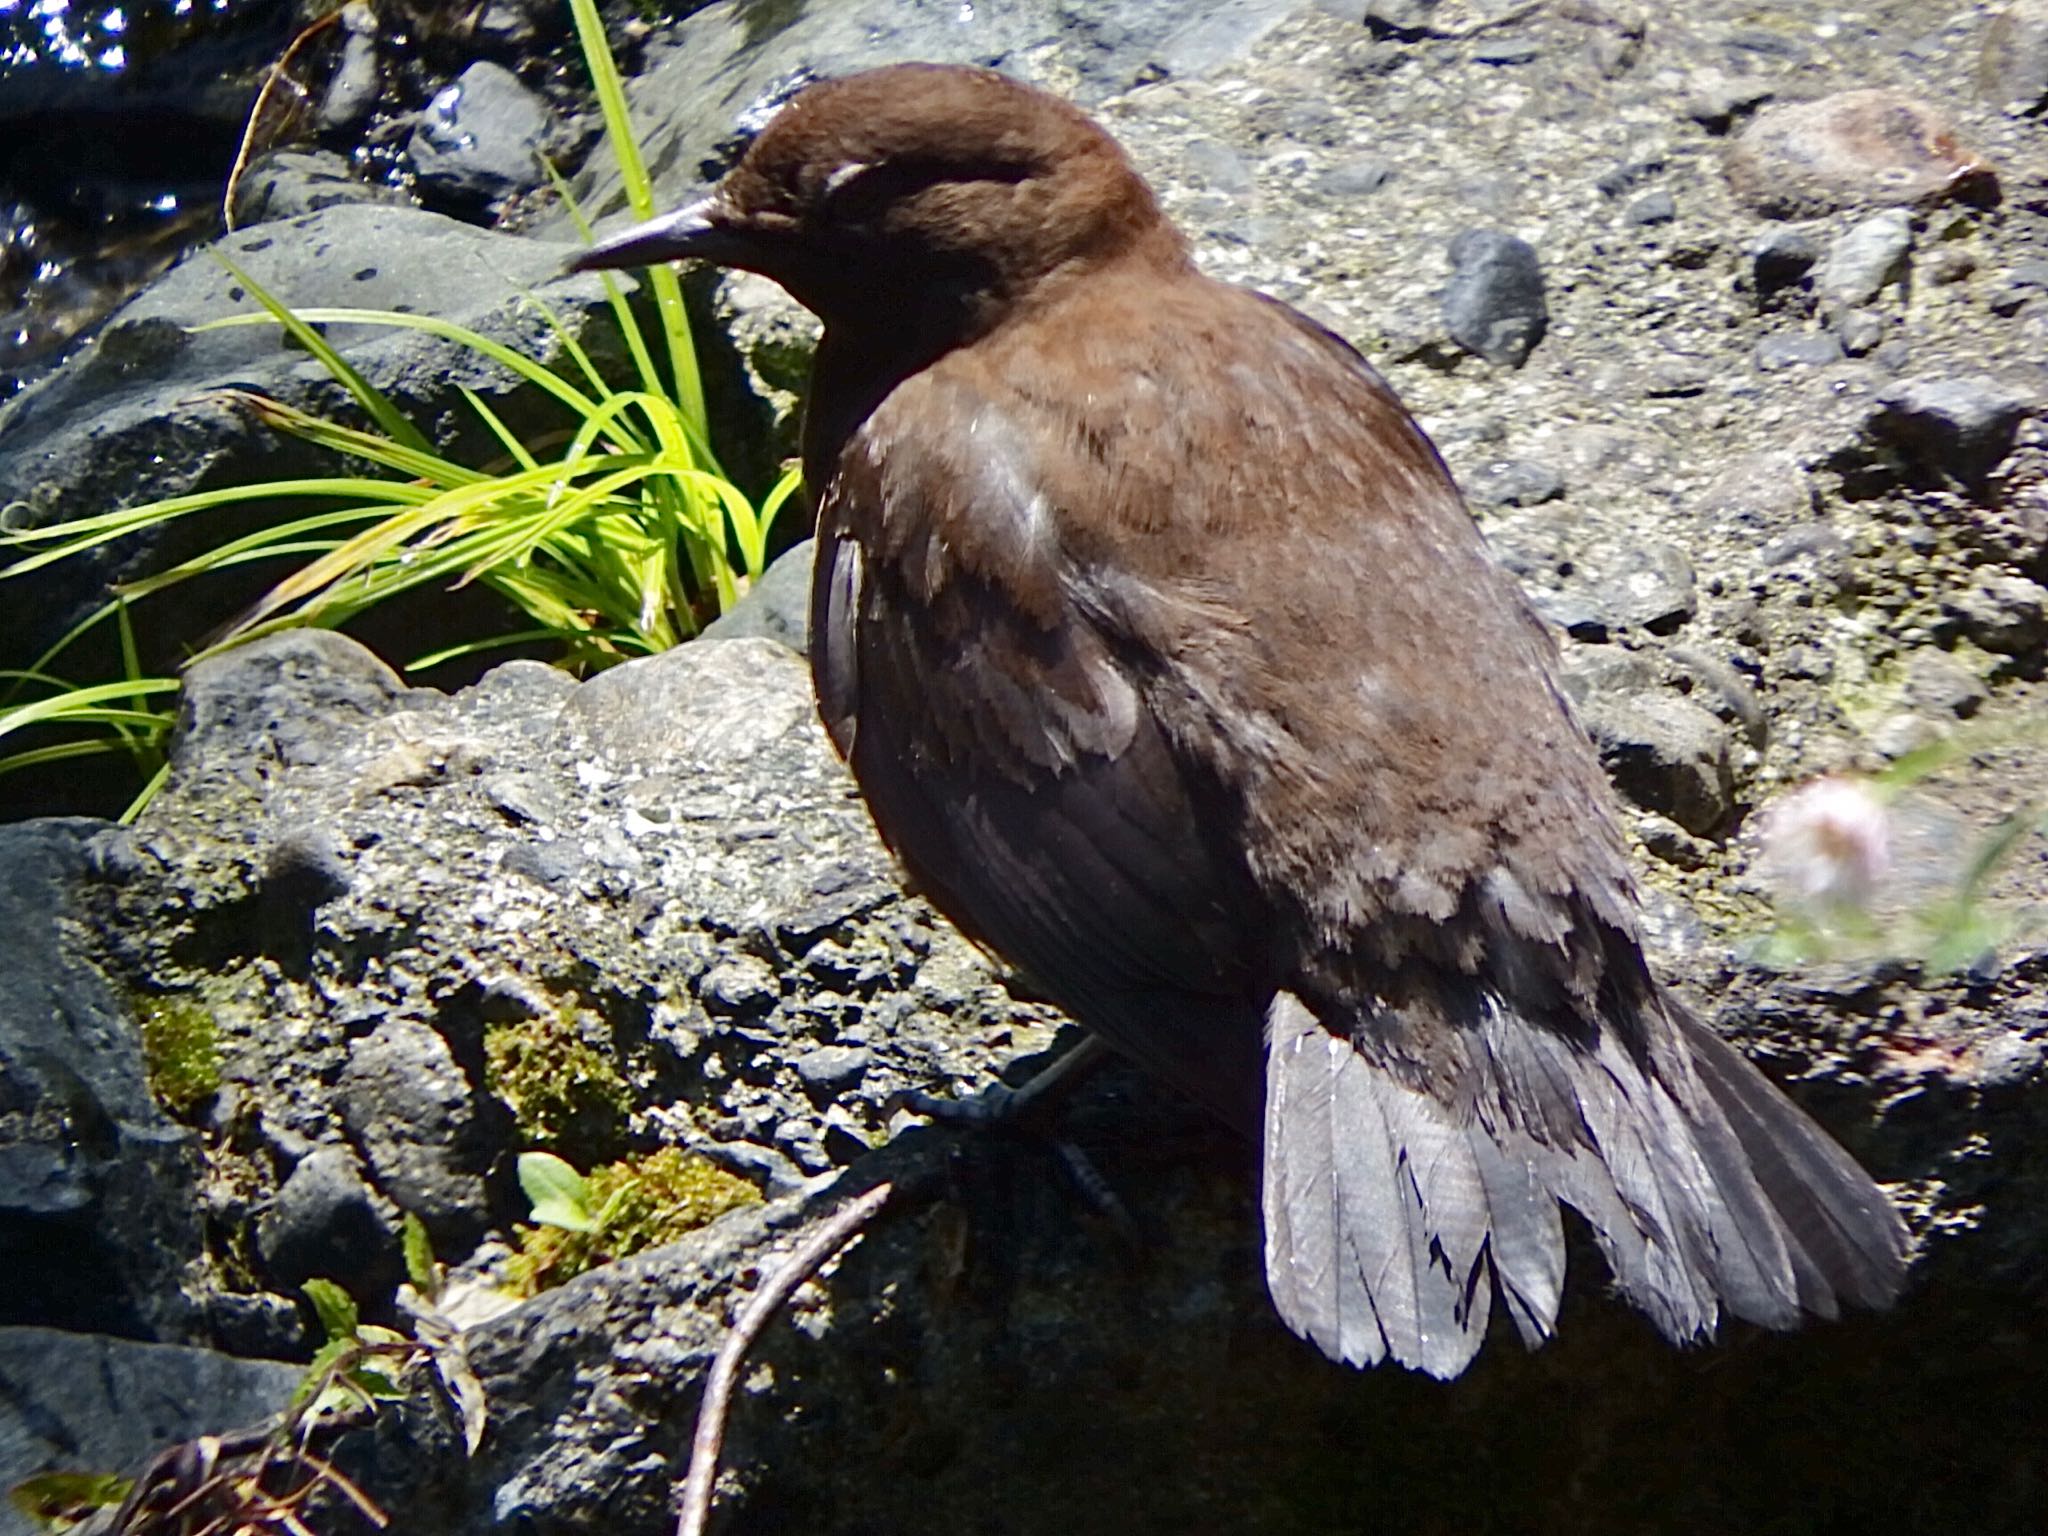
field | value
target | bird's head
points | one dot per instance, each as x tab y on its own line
915	194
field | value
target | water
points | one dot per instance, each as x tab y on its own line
118	126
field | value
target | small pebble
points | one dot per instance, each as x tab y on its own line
1867	257
1494	305
1774	353
1657	207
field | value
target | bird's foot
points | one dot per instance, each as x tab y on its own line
1027	1110
1024	1106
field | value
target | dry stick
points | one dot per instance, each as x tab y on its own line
247	149
810	1256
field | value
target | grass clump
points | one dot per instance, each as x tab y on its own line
562	1090
180	1051
616	1210
624	538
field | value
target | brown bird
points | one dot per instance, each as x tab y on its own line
1174	669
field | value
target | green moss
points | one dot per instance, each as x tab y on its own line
180	1050
562	1090
642	1203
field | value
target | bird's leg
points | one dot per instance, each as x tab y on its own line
1021	1106
1026	1108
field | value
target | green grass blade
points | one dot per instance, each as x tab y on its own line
562	333
277	541
91	532
368	396
414	463
82	704
479	647
537	374
618	127
64	751
148	793
518	450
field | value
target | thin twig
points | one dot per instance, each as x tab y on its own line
811	1255
325	1471
247	148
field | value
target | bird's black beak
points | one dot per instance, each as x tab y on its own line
697	229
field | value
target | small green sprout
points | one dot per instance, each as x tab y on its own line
619	1209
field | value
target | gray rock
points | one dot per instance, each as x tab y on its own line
411	1111
831	1069
306	867
777	607
1644	588
81	1402
1672	378
1658	207
1813	350
1856	149
724	67
358	78
289	183
1359	176
1507	51
662	711
1511	483
1770	42
2004	612
97	1206
1716	99
1665	839
303	693
1493	305
478	142
1781	259
2022	281
2012	68
1630	175
1957	429
257	1324
1759	490
520	23
1896	736
1860	332
1666	754
1216	166
1935	682
1867	257
324	1224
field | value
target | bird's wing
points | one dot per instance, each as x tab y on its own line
1009	759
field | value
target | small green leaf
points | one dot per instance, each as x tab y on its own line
559	1195
374	1383
336	1308
420	1267
319	1374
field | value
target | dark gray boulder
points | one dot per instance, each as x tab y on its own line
97	1227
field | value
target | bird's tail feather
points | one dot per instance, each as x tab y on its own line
1393	1212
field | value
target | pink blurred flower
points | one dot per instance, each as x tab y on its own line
1827	845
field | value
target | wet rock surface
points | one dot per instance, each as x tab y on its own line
478	143
1776	468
